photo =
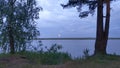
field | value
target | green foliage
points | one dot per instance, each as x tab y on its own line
54	48
17	20
49	57
91	5
86	53
32	56
88	63
54	58
4	55
84	57
106	57
99	59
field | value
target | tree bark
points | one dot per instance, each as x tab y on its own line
10	29
107	21
102	33
99	32
11	40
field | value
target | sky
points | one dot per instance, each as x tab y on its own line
58	22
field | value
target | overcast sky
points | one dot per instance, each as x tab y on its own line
58	22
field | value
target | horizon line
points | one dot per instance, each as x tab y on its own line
87	38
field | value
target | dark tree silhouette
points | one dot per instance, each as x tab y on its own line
17	23
102	31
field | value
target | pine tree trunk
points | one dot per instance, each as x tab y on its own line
102	34
10	25
99	32
11	40
107	21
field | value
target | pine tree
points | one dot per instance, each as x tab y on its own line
102	32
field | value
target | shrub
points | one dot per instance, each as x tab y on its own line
50	57
54	58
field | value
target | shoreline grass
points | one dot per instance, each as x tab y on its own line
52	60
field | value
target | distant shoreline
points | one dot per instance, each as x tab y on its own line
72	38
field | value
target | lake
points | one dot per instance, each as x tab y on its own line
76	47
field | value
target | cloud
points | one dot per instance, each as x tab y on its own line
55	21
114	22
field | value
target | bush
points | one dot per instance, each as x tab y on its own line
54	58
50	57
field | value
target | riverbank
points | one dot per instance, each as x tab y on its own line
21	61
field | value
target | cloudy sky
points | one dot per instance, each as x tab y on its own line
58	22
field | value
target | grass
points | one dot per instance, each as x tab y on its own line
61	60
49	58
4	55
54	59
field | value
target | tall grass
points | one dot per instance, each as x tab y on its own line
47	58
50	57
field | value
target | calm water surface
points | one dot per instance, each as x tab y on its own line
76	47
